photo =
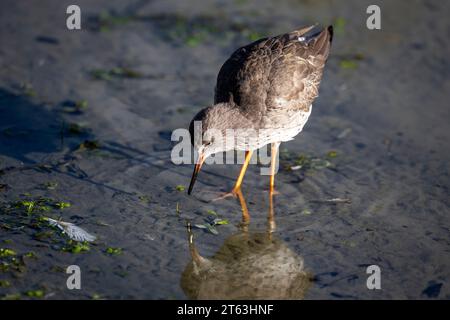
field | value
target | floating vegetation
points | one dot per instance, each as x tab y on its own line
144	199
211	222
339	26
11	262
77	129
73	232
6	253
62	205
251	35
102	74
96	296
28	205
81	104
35	293
180	29
195	39
208	227
76	247
182	110
43	235
30	254
40	205
74	107
199	30
27	90
50	185
4	284
89	145
332	154
178	208
306	162
348	64
350	61
114	251
306	212
348	243
105	21
188	32
33	206
32	213
12	296
180	188
284	154
221	221
58	269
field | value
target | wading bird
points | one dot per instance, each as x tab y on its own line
264	91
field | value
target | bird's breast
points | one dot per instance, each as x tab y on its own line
278	131
291	127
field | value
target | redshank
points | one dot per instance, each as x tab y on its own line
264	91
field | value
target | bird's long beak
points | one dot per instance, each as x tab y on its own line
197	168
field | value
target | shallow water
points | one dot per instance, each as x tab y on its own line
385	114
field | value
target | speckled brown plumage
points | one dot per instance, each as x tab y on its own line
267	83
273	74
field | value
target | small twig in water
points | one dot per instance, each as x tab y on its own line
334	200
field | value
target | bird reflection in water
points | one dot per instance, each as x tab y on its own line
249	265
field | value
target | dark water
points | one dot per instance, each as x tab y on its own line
382	109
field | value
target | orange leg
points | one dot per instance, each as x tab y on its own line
248	156
237	185
273	154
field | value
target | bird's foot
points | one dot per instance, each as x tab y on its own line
233	193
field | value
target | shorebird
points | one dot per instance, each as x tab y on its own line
265	90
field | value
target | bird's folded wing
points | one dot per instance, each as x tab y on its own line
275	73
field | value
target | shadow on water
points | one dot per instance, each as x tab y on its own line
26	127
249	265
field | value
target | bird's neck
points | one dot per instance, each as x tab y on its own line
231	116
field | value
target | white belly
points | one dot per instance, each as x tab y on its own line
285	132
298	122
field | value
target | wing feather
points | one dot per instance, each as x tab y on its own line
273	74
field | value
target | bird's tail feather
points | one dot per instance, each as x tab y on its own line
320	40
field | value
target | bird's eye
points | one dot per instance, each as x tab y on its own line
207	143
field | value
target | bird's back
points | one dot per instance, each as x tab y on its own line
272	78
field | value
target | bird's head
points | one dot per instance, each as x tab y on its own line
208	131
